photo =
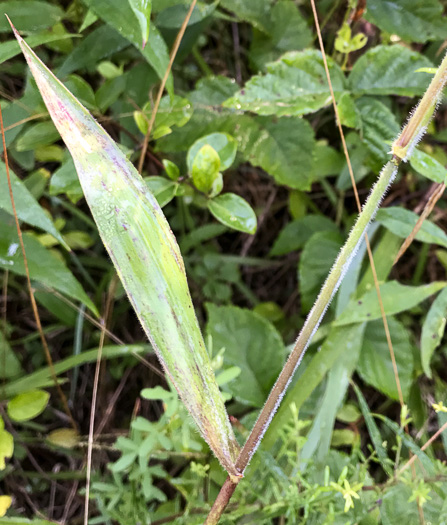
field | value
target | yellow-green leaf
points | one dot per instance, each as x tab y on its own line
28	405
146	255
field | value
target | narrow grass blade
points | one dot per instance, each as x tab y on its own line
146	256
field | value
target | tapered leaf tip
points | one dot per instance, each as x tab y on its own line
16	33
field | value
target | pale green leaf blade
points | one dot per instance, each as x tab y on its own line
163	189
293	85
412	20
27	208
146	256
28	405
428	166
433	330
396	298
389	70
233	211
402	222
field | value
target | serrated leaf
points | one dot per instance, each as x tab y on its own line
379	127
296	233
412	20
294	85
375	366
27	208
43	265
396	298
223	143
433	330
28	405
284	29
428	166
316	260
146	255
142	10
252	344
402	222
389	70
233	211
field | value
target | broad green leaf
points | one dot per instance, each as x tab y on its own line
6	446
428	166
146	255
37	135
172	17
11	366
373	431
163	189
396	298
401	222
285	148
27	208
99	44
339	341
11	48
348	112
28	405
172	170
252	11
119	15
44	378
65	180
412	20
233	211
294	85
433	330
389	70
375	366
213	90
252	344
316	260
285	29
379	127
142	10
205	168
172	111
224	144
44	266
296	233
29	15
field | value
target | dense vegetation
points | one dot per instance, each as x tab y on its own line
246	160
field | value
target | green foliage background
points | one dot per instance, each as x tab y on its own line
244	143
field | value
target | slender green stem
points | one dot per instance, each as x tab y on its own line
401	150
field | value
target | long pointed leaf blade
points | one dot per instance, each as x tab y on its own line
146	257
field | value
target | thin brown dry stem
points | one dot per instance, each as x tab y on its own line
163	84
30	288
431	203
107	312
25	120
426	445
